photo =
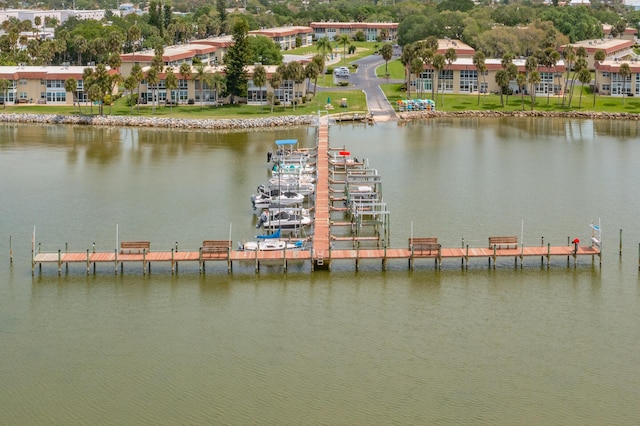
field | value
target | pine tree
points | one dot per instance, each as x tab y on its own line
236	58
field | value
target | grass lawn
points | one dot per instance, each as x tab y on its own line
355	99
491	102
396	70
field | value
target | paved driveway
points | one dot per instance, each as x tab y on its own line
365	78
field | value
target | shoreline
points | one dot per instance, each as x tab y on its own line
230	124
165	123
587	115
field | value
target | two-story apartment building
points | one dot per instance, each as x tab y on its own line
614	48
610	81
42	84
372	30
286	37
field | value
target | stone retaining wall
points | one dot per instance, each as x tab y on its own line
179	123
416	115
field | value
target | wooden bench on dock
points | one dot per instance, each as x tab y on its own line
424	247
215	249
130	247
503	242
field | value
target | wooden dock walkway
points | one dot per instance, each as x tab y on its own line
321	253
321	228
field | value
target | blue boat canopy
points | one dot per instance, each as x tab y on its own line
286	142
268	237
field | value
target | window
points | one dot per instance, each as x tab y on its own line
468	81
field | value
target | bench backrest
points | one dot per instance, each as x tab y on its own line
503	240
135	245
422	241
215	245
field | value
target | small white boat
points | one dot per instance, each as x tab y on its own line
304	188
265	198
291	178
283	219
271	242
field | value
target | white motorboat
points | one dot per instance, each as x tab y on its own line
293	168
287	151
265	198
283	219
304	188
271	242
290	178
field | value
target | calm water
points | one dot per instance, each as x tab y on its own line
506	346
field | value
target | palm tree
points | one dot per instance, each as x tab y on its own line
311	71
319	61
185	72
584	77
598	57
450	56
217	81
200	74
534	80
324	46
138	75
70	86
344	40
87	82
171	83
275	81
259	79
4	86
502	79
580	64
152	80
624	72
438	65
408	54
479	61
417	67
387	53
569	56
521	81
133	37
512	72
129	85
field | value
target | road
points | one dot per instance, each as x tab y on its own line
365	78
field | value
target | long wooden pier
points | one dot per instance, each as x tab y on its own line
321	253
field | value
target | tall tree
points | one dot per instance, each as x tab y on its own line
387	53
569	55
4	86
344	40
152	81
259	78
625	73
450	56
200	77
481	67
534	80
598	57
274	81
439	63
324	46
218	82
502	80
407	57
236	59
130	85
171	83
521	81
138	75
584	77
